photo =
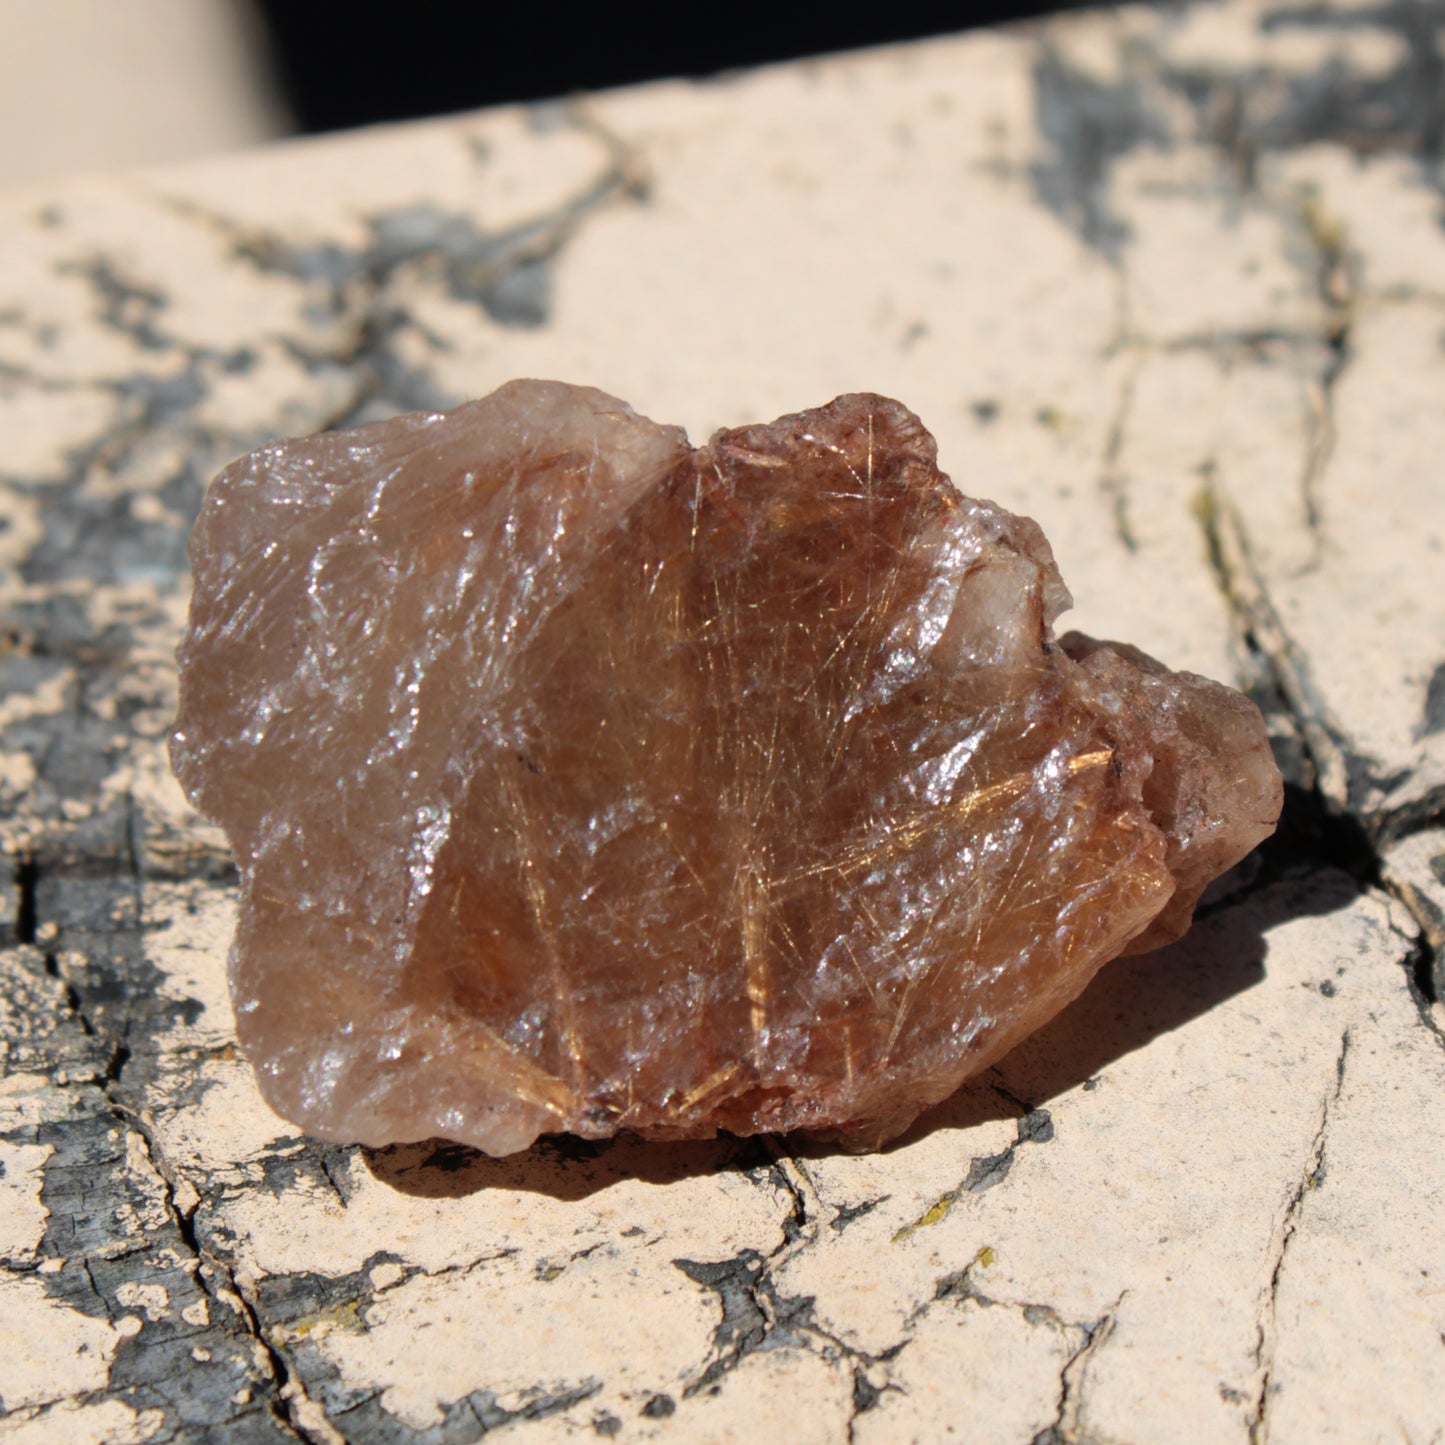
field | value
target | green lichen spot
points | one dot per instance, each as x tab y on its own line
935	1215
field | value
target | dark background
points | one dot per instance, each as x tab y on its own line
351	64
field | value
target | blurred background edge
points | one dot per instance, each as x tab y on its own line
89	85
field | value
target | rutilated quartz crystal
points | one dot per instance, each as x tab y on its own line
583	781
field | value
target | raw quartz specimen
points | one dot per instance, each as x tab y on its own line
581	781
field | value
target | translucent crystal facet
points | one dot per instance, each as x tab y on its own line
582	781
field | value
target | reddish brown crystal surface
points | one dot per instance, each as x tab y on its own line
582	781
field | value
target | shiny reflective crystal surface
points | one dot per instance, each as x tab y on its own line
582	781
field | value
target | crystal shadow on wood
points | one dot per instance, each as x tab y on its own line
1125	1007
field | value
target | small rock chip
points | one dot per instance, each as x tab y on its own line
581	781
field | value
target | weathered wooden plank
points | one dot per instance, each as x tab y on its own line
1171	281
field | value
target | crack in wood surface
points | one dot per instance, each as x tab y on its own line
1311	1176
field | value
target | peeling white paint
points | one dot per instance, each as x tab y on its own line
22	1215
1237	1223
153	1300
48	1351
69	1423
